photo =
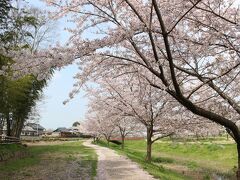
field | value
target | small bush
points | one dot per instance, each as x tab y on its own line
116	142
162	160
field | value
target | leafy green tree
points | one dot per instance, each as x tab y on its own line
75	124
5	7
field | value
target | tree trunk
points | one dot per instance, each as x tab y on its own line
8	124
1	125
108	139
197	136
149	145
123	141
15	126
238	168
19	128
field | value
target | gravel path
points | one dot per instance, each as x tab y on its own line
112	166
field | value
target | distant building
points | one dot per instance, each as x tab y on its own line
48	132
32	129
37	127
66	132
28	131
73	129
60	131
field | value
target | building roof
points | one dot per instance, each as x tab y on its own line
35	126
28	128
61	129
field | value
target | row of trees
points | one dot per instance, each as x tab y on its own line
128	105
21	28
186	48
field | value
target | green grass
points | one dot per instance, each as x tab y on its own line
221	157
67	151
157	171
200	139
12	151
205	158
11	148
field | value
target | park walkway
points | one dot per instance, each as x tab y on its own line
112	166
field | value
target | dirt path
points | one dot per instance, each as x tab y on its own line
112	166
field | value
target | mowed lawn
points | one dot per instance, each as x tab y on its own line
59	160
207	159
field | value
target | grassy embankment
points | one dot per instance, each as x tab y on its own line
204	159
59	160
10	151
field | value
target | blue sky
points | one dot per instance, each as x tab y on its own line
52	111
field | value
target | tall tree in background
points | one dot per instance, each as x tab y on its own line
18	97
75	124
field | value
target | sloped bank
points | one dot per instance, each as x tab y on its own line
12	151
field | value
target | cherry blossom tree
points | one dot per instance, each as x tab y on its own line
128	126
128	101
91	128
191	46
100	122
125	123
131	97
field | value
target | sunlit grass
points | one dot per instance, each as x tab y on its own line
207	157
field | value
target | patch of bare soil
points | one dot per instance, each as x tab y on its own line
43	143
54	169
54	166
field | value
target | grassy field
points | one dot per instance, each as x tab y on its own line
204	159
53	160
